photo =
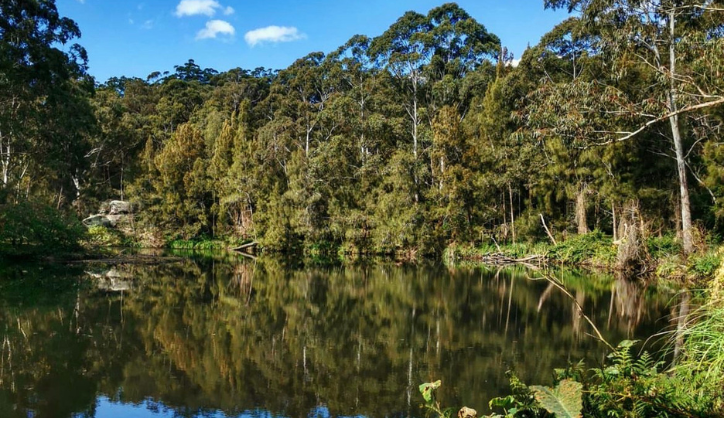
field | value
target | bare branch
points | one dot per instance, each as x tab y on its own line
669	115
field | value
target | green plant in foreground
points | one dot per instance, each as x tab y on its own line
428	393
521	403
563	401
702	358
628	386
636	386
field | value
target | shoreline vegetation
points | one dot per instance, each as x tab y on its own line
658	256
426	141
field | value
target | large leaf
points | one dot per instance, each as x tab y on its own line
565	401
428	388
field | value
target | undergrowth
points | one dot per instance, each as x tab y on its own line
627	386
595	248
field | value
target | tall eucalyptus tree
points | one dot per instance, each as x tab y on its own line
656	35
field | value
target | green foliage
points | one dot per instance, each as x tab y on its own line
704	265
663	246
563	401
630	385
521	403
591	248
671	267
634	386
703	351
101	236
32	229
45	115
428	390
405	143
198	244
428	393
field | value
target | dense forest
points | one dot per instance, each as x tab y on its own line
426	136
427	139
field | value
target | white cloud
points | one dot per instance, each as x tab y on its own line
273	34
147	25
214	28
514	63
197	7
229	10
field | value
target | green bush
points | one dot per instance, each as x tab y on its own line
593	247
198	244
671	267
635	387
30	229
103	236
704	265
663	246
629	386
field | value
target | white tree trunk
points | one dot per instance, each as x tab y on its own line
686	226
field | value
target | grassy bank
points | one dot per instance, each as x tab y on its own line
658	255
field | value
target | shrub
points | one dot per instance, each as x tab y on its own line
197	244
103	236
626	386
592	247
29	229
704	265
663	246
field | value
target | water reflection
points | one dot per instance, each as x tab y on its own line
232	337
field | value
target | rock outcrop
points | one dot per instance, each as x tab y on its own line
111	214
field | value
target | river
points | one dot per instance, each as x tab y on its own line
227	336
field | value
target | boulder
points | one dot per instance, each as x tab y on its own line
111	214
467	412
97	220
119	207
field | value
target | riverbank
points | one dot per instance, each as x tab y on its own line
659	256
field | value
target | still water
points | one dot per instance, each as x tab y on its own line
229	337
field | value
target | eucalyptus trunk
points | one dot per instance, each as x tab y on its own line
581	219
686	227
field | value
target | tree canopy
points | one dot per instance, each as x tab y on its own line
425	136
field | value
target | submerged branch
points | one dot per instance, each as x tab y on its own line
553	281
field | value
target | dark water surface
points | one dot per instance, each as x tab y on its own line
234	337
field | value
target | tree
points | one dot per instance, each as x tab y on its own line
655	35
403	51
43	94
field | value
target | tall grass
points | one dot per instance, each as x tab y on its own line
703	348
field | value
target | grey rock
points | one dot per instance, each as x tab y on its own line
97	220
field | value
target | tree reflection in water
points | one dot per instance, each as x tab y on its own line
226	336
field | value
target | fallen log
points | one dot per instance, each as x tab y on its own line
245	247
502	259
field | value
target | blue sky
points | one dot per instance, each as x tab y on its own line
137	37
